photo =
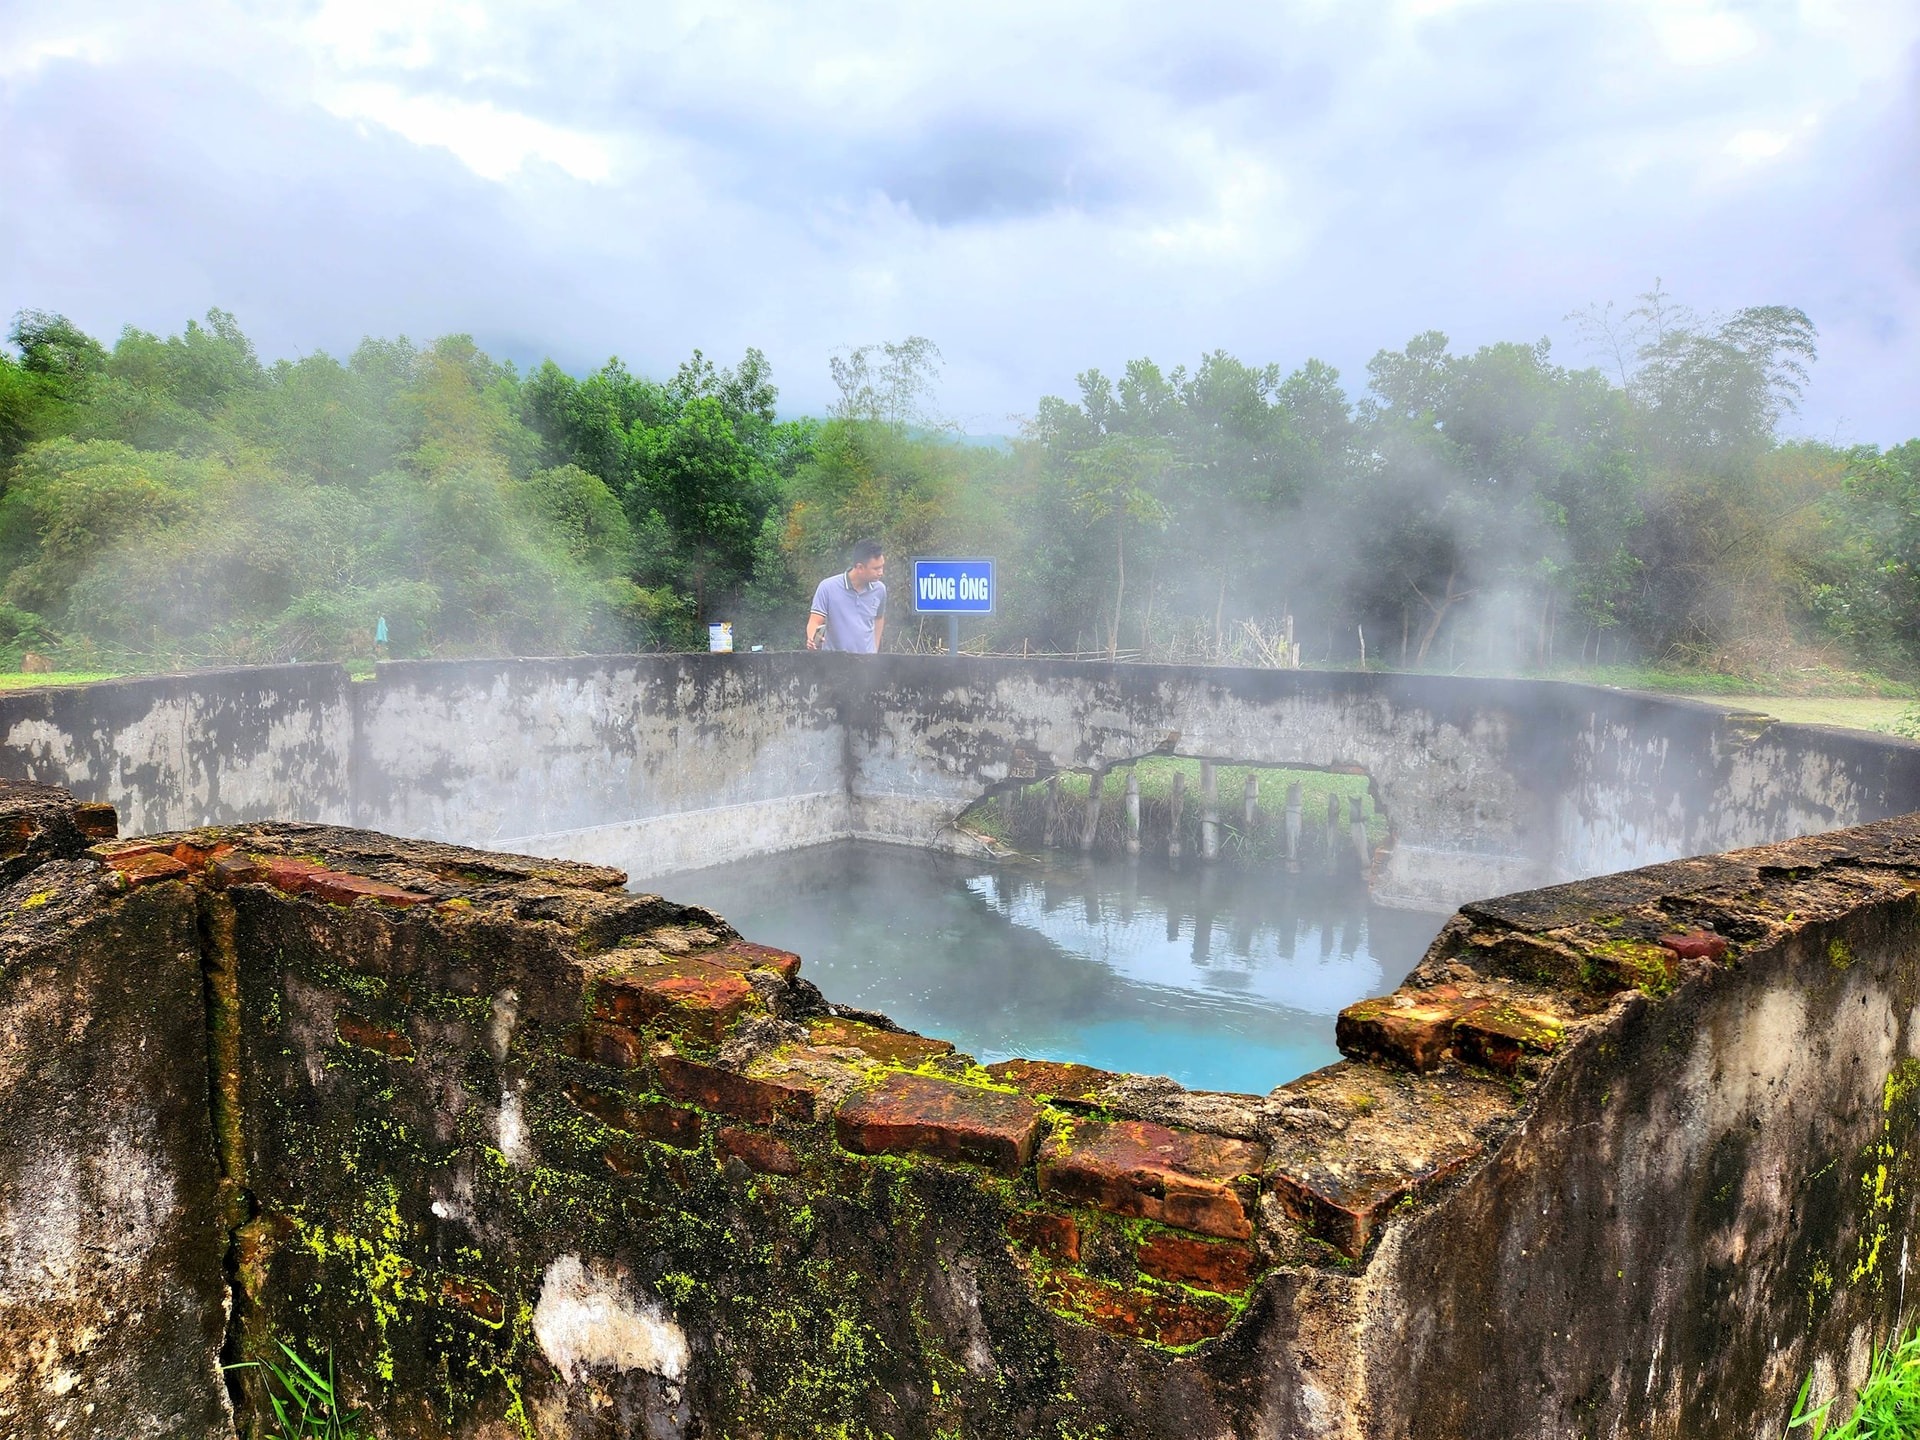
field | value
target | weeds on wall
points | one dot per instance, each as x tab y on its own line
1888	1406
306	1404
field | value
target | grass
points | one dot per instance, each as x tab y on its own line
1877	713
306	1404
1814	683
1851	700
17	681
1887	1408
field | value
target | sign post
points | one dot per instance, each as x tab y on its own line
954	588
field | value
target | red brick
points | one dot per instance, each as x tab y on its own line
1182	1178
1346	1212
97	820
758	1151
288	872
618	1047
728	1092
1056	1080
482	1302
669	1124
146	866
608	1109
197	857
1140	1314
627	1158
358	1030
1344	1216
686	997
232	869
653	1120
1410	1027
916	1114
341	888
1222	1265
888	1046
1500	1036
744	955
23	830
1055	1236
1696	945
299	876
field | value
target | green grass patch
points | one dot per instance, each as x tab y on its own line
305	1399
17	681
1801	684
1887	1407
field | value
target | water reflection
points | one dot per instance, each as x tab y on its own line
1222	979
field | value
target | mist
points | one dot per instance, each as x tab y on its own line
175	501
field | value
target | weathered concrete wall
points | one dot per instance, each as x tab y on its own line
1490	785
201	749
662	763
1712	1185
533	1156
112	1300
687	759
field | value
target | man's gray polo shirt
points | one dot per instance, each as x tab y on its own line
850	613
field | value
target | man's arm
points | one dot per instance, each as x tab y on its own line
816	622
879	629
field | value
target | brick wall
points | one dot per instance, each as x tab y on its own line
528	1154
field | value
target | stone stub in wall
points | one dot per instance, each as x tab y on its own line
529	1154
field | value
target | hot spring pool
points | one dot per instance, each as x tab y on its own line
1222	979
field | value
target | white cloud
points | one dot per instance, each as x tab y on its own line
490	142
1702	34
1758	144
1037	186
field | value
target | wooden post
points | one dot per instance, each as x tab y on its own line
1333	831
1095	784
1133	811
1362	851
1293	826
1209	811
1250	805
1053	811
1175	803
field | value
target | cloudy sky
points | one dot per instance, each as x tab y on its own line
1036	186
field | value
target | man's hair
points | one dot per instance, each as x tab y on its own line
867	550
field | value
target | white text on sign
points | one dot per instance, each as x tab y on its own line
951	587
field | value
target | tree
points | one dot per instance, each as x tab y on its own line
1115	487
888	384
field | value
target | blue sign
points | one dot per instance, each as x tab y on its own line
953	587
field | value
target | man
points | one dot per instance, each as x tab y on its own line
850	609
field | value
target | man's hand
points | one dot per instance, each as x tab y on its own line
816	627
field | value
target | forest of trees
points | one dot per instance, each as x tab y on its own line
170	502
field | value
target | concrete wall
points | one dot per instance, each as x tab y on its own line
202	749
673	760
1489	785
663	763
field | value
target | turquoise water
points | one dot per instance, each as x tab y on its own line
1223	980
